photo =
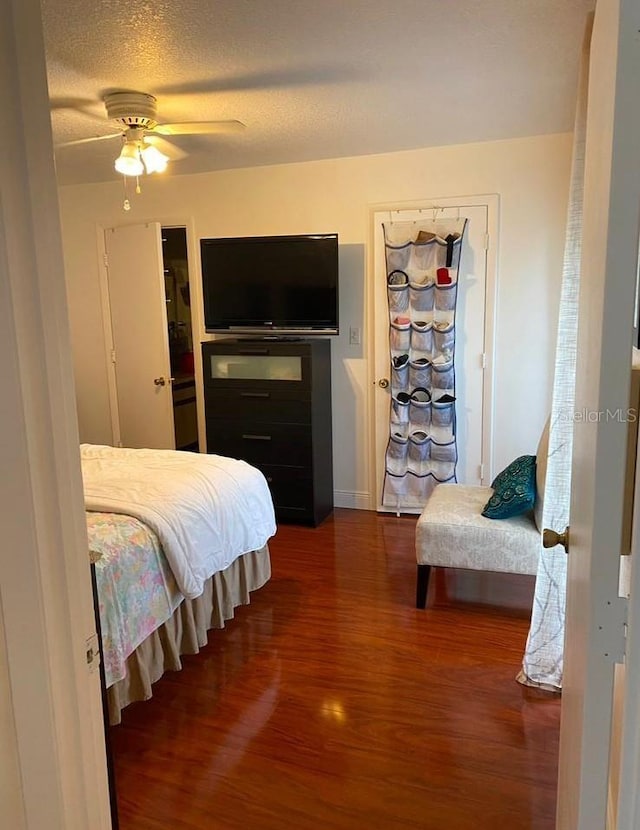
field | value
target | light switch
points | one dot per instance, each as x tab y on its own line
354	336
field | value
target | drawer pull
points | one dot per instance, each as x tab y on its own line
255	394
250	437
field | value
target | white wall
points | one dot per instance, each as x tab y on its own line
531	177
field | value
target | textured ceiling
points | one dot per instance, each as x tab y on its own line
311	79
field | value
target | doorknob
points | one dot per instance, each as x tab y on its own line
383	383
550	539
159	381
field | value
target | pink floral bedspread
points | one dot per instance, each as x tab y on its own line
136	588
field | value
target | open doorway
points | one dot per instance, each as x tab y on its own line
180	331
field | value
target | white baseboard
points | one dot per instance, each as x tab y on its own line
352	500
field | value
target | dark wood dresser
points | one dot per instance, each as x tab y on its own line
268	402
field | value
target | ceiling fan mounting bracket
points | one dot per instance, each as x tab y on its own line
132	109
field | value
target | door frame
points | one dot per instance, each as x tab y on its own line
52	709
595	615
195	287
492	202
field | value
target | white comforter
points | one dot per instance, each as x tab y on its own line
205	509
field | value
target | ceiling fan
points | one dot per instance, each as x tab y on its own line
144	148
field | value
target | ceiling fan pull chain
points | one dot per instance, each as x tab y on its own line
126	205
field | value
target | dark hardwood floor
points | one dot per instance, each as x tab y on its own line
331	702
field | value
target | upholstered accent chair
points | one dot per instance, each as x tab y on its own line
453	533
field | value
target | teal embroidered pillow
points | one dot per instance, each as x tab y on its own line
514	490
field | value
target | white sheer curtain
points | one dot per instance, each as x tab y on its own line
543	659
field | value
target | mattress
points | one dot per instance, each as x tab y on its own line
206	510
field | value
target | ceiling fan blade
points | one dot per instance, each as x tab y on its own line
89	106
200	128
89	140
174	153
270	79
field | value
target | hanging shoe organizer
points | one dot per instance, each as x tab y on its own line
422	261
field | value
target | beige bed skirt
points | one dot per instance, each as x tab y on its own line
186	631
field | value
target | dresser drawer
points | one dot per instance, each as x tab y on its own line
260	365
291	491
260	443
259	406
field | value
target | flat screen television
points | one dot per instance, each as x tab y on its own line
271	285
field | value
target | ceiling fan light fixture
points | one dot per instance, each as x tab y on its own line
129	162
154	160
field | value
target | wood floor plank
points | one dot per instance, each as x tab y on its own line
331	702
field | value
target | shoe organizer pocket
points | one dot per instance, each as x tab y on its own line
419	488
446	276
419	277
443	320
398	257
445	297
397	278
424	256
399	431
421	301
419	452
400	377
419	373
395	488
397	451
443	460
421	337
398	296
400	336
420	410
443	426
400	409
444	340
442	378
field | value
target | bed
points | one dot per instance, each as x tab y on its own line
182	540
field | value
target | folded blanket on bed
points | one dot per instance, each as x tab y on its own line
205	509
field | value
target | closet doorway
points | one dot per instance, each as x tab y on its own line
177	292
148	325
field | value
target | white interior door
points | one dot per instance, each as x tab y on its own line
474	337
594	617
140	336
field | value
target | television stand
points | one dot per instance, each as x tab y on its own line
286	338
270	405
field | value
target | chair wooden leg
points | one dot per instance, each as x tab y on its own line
422	585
